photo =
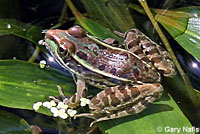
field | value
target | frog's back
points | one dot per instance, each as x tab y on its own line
114	62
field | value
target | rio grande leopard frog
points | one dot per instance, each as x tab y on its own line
130	77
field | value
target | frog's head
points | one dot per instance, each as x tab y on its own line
62	41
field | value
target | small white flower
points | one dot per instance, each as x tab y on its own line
87	101
84	101
61	105
71	112
47	104
62	114
43	63
37	105
53	103
55	111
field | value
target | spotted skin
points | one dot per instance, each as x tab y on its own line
130	78
149	51
111	104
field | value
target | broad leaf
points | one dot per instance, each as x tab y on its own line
22	84
112	14
23	30
185	29
13	124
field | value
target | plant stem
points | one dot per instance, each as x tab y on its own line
185	78
63	17
34	55
76	13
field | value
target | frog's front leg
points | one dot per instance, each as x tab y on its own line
74	100
81	88
120	101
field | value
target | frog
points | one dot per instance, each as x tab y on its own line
129	76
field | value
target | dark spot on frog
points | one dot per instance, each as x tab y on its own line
114	100
156	59
126	97
108	91
130	110
123	75
134	91
102	67
82	55
136	72
105	101
132	44
145	59
114	80
95	100
142	38
145	102
113	71
125	56
154	50
138	51
146	69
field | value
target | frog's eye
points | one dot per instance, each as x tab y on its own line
61	50
76	31
65	46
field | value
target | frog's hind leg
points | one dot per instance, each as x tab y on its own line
120	101
136	108
139	107
167	66
149	51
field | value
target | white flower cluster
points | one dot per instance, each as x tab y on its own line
60	109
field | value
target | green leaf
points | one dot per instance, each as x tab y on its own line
23	30
111	13
28	84
13	124
97	29
22	84
184	29
154	120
